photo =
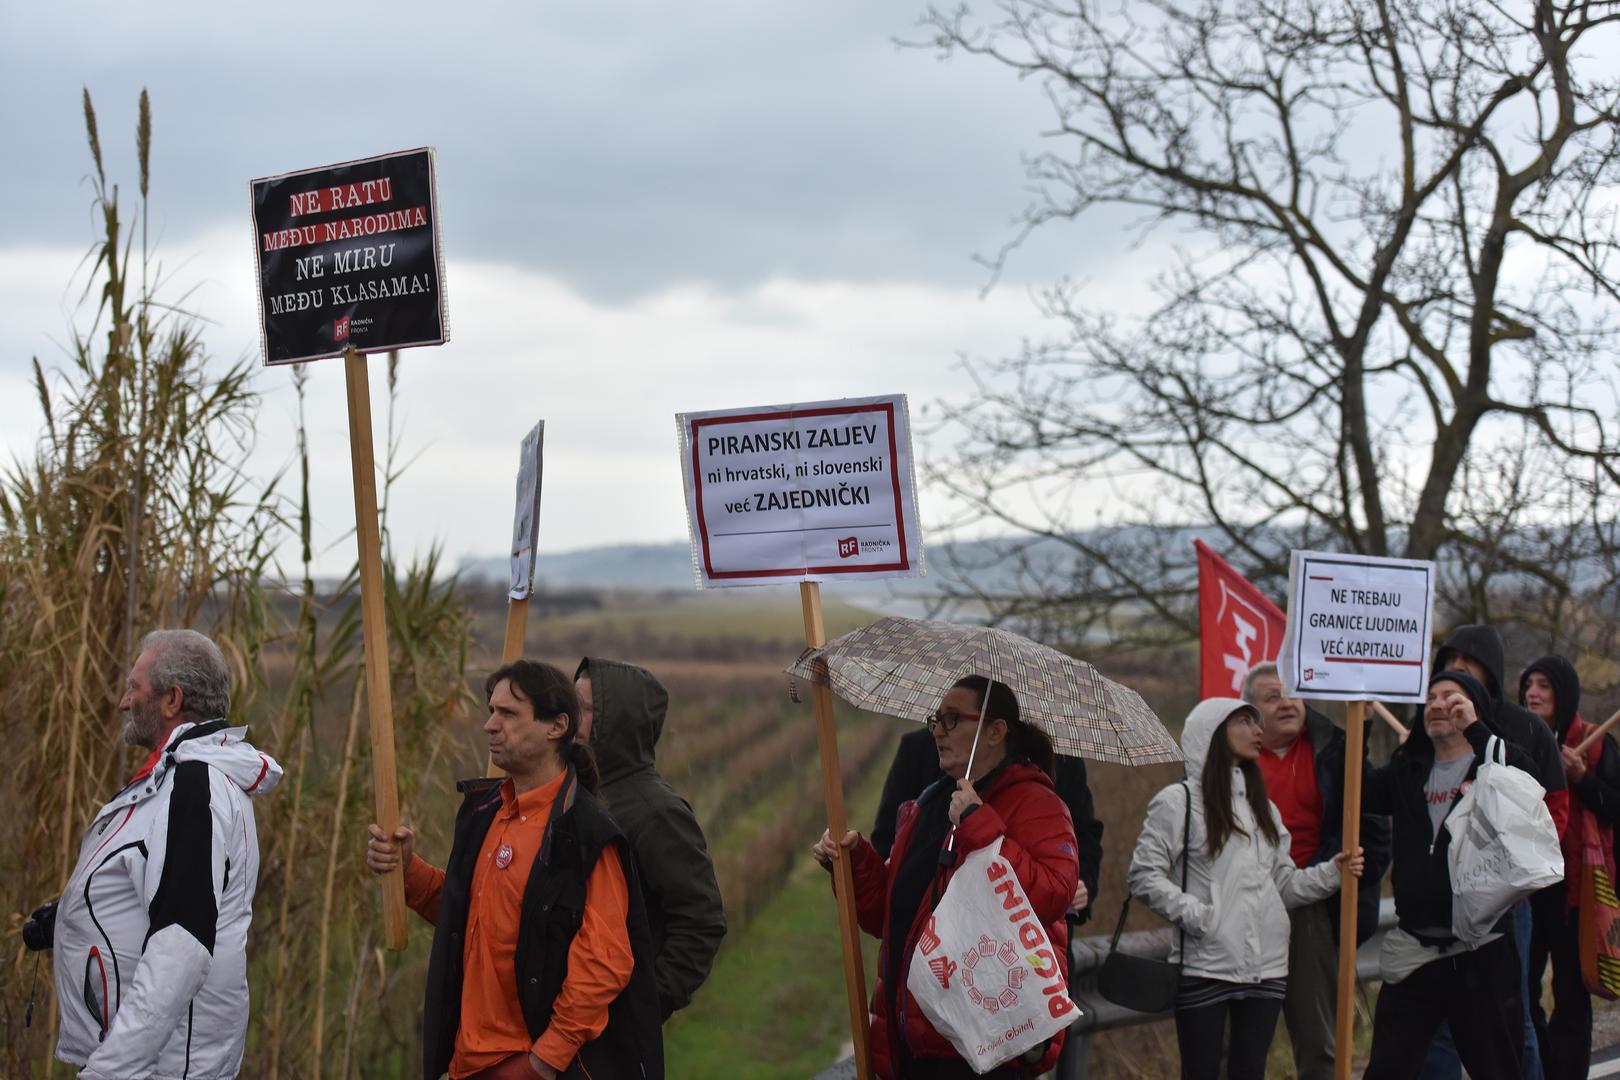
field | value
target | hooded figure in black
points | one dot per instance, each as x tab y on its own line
1565	1038
626	707
1479	991
1478	650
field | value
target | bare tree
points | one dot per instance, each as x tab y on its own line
1389	327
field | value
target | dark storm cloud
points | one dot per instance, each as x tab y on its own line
621	147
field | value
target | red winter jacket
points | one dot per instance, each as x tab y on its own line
1020	806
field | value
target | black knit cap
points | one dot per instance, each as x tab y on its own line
1566	684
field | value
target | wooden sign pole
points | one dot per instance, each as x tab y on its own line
832	787
1598	733
1389	718
517	628
379	689
1344	1027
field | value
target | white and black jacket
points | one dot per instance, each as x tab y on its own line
151	929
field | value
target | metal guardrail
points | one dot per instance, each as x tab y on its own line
1099	1014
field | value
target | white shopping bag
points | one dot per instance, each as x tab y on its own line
1504	845
984	972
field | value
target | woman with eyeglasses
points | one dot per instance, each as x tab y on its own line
1008	794
1240	881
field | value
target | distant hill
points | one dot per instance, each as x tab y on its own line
620	566
645	566
669	566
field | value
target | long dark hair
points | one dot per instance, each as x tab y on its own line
1219	821
550	693
1023	740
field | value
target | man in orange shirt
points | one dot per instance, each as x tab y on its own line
542	960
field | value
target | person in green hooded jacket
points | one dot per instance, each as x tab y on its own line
622	714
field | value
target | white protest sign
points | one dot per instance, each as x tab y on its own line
806	491
526	521
1358	627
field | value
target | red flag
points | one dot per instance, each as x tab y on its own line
1237	626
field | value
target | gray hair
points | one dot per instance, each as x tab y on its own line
187	659
1260	670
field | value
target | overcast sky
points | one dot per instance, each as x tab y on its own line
645	208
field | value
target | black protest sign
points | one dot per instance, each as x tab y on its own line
348	256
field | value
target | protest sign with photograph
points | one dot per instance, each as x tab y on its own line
808	491
348	256
1358	627
526	519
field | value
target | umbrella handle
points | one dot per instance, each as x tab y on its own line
950	841
974	750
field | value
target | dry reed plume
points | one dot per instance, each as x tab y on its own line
137	510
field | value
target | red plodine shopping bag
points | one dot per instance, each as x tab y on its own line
984	972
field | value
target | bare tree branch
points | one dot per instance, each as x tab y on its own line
1399	226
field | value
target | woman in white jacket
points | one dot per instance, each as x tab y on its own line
1240	881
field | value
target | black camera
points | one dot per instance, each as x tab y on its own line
39	932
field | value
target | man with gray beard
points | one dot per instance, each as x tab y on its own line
149	937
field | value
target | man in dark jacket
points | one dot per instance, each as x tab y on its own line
1477	649
1303	763
1429	976
624	709
916	765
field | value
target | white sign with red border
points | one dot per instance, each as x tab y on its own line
1358	627
811	491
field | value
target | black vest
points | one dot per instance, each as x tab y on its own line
631	1046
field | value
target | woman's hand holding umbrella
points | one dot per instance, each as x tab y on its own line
963	799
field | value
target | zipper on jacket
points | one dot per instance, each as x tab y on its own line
99	1008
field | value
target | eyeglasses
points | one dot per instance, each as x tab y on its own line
947	719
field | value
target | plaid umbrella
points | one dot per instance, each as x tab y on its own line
903	667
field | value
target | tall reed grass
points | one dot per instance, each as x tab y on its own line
137	509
